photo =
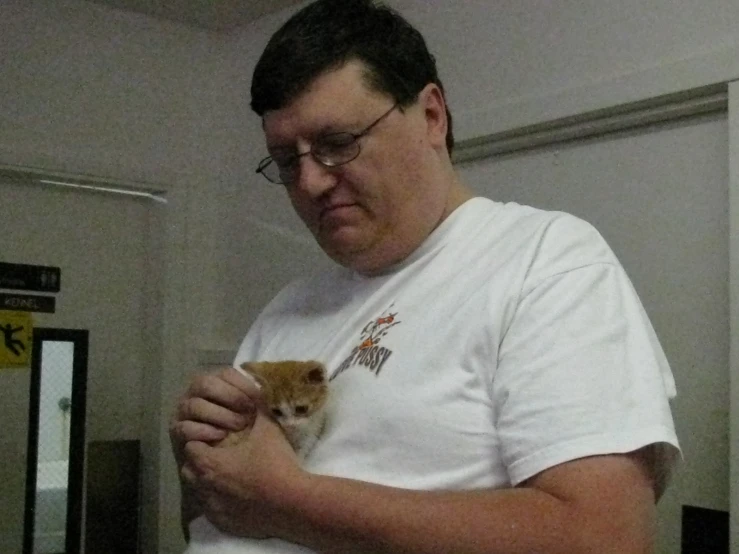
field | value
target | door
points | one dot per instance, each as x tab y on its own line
56	441
107	246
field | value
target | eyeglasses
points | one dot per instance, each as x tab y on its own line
330	150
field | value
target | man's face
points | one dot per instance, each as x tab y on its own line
375	210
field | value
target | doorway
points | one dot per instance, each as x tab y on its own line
56	441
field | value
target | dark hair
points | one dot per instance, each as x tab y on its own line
329	33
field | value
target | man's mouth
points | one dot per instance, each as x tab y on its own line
336	210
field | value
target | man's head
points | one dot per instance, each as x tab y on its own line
360	141
329	33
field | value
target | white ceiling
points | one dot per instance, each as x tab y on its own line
214	15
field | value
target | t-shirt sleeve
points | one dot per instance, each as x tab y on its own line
580	371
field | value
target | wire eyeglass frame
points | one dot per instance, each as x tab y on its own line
331	150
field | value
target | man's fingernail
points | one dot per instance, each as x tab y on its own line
249	376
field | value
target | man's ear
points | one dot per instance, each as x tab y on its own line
433	103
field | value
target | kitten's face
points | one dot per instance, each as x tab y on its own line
293	391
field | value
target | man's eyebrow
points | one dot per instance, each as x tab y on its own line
324	130
332	129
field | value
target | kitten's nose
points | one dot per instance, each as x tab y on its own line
290	423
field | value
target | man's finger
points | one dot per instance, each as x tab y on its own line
189	471
186	431
205	411
242	381
220	389
246	383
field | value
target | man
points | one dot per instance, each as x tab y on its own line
496	386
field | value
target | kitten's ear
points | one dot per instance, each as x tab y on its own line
316	375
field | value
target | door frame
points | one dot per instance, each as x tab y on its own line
75	485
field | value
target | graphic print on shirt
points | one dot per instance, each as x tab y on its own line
368	353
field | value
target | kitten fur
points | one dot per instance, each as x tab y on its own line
295	392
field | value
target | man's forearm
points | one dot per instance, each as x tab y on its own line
598	504
342	516
333	515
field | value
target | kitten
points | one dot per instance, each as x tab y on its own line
295	392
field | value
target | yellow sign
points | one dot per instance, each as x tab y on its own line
16	332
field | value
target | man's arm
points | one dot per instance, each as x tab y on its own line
602	505
213	404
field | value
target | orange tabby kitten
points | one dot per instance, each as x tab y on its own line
295	392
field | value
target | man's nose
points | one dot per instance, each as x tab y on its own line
313	177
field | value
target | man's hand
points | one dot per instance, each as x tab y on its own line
234	485
213	405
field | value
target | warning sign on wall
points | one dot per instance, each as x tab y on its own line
15	340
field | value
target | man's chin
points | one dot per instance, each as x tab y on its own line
343	243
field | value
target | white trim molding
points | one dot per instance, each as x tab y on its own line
597	123
733	97
44	177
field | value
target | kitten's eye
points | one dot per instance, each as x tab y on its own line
276	412
301	410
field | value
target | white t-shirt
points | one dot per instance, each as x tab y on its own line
509	342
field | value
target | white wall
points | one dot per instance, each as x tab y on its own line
86	89
503	62
99	91
524	63
89	90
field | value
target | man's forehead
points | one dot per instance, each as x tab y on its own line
282	128
334	100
